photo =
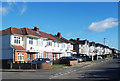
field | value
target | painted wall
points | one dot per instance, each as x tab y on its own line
7	51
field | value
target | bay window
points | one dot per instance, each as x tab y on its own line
20	56
48	55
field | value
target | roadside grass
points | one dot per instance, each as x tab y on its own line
60	65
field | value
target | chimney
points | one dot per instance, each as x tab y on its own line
36	29
78	39
58	34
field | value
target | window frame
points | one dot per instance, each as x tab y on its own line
30	41
16	40
20	57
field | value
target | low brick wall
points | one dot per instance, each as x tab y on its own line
69	62
42	66
73	62
21	65
31	66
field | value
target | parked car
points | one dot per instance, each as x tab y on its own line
116	56
41	60
82	57
99	57
68	58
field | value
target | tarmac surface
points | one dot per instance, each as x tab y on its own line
105	69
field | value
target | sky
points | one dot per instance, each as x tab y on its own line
93	21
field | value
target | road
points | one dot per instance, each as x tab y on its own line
108	69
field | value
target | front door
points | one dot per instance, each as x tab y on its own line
31	57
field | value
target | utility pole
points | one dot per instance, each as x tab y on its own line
104	41
104	48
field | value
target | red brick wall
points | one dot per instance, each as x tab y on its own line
44	54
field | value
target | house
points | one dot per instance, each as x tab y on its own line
100	49
25	44
81	46
76	45
67	46
84	47
92	49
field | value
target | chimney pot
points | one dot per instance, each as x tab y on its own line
36	29
78	39
58	34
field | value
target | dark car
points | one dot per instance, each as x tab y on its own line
41	60
68	58
116	56
82	57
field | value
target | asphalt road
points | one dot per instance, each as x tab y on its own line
106	70
101	69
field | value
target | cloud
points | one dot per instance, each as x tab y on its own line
103	25
9	7
3	10
23	9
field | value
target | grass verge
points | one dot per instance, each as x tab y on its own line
60	65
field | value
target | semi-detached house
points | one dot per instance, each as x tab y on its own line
25	44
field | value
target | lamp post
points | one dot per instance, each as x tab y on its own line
104	48
104	41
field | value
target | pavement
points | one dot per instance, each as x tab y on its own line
88	63
58	73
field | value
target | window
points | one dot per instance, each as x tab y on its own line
49	43
36	55
17	40
28	56
63	45
48	55
39	55
58	44
30	40
37	42
54	44
20	56
40	42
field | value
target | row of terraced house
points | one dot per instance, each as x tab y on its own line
25	44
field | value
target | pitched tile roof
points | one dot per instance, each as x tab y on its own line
46	35
27	31
62	39
19	48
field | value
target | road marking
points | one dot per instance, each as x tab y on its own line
70	71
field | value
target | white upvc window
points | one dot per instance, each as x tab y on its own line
28	56
20	56
54	44
48	55
30	40
16	40
41	42
63	45
49	43
39	55
37	42
58	44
